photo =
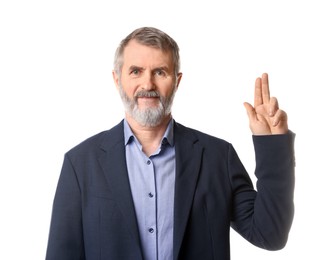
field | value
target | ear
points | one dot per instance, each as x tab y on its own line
116	79
179	76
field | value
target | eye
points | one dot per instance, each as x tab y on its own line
160	73
135	72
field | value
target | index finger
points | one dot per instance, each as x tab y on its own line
265	88
258	99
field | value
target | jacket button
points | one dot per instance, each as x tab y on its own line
151	230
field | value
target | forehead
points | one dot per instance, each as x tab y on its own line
135	52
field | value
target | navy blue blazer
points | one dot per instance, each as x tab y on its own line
93	215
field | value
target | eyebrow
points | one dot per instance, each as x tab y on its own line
165	68
134	67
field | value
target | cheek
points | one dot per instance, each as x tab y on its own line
168	91
129	88
130	92
166	88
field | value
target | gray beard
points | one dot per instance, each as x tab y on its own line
149	117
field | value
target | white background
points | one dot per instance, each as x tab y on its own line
56	90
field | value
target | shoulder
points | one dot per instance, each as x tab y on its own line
200	137
99	141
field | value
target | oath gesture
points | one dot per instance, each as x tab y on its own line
265	117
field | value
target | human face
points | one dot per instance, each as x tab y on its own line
147	83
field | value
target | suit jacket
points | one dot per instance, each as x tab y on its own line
93	213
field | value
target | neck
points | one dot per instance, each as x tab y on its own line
149	137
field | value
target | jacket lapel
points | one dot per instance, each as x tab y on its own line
113	162
188	161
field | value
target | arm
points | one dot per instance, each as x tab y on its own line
264	218
65	237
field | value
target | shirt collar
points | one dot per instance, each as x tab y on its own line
167	137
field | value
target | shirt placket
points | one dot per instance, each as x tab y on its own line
151	214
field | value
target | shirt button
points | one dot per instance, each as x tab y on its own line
148	162
150	195
151	230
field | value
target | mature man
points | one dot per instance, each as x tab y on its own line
151	188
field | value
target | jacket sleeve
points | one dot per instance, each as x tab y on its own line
264	217
66	235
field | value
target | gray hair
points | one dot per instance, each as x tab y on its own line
151	37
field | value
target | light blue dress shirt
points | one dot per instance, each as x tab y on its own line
152	182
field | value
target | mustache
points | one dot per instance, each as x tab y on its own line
145	93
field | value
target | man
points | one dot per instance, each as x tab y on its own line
151	188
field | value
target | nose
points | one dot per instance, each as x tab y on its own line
148	82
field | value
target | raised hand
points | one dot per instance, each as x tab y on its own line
265	117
